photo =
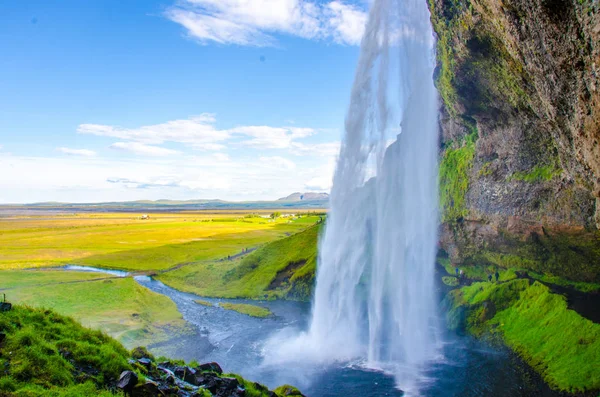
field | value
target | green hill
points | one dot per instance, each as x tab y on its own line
283	269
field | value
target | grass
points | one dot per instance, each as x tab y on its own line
245	308
283	268
119	306
46	354
49	354
124	241
561	345
204	303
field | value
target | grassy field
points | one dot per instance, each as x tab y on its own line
118	306
125	241
283	268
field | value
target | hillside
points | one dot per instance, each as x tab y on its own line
284	269
46	354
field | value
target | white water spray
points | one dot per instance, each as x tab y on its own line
374	296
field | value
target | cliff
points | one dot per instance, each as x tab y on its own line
520	122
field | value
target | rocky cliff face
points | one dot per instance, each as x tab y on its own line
520	153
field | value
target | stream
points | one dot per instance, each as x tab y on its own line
237	342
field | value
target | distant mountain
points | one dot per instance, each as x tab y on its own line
309	196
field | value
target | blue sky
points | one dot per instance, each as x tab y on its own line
232	99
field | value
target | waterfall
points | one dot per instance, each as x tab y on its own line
374	296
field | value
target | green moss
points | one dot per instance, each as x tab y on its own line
454	170
557	342
250	310
486	169
560	344
537	174
287	390
450	281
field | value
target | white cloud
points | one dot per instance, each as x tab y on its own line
326	149
253	22
272	137
200	133
199	130
142	149
278	162
75	152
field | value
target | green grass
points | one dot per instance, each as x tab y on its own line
204	303
124	241
120	306
253	276
46	354
245	308
561	345
450	281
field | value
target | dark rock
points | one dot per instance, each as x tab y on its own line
127	381
146	362
5	306
214	367
148	389
186	374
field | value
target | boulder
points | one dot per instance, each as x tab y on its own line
127	381
148	389
146	362
214	367
186	374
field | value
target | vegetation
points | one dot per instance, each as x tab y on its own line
284	268
245	308
537	174
204	303
455	167
559	343
125	241
118	306
45	353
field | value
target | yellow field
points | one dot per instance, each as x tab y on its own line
125	241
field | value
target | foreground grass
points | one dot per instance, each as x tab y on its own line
46	353
43	353
245	308
561	345
124	241
284	268
120	307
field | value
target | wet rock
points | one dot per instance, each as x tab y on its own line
146	362
214	367
148	389
127	381
186	374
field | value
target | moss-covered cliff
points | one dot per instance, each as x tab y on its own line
520	161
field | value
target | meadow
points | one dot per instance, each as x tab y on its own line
166	244
126	241
118	306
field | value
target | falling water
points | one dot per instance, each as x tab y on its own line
374	296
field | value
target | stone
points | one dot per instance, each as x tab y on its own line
186	374
127	381
214	367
